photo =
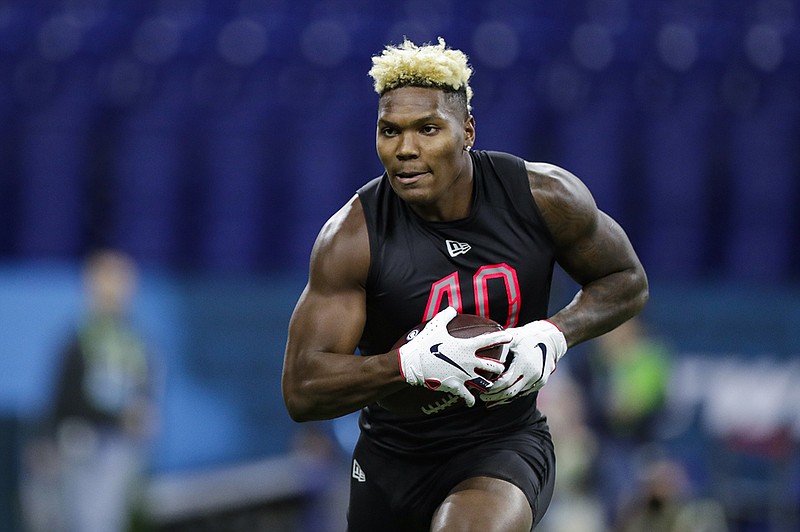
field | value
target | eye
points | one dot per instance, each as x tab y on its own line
388	132
429	130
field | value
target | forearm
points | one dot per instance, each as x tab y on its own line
329	385
602	305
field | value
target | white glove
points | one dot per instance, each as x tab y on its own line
535	348
444	363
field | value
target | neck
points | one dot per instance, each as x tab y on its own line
457	203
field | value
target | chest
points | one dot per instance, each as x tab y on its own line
494	265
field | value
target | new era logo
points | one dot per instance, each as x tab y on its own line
457	248
358	473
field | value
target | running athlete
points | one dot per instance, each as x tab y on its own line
450	229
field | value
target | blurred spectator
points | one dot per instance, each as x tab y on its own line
575	505
663	503
634	369
90	470
625	383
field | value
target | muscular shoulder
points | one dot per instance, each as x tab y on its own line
341	251
566	205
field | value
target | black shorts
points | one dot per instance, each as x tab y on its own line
390	492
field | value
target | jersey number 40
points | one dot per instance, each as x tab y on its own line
450	286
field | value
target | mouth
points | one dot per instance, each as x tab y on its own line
407	178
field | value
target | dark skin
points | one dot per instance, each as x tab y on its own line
420	140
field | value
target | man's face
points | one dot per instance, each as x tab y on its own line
420	140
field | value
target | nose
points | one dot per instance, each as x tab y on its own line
407	147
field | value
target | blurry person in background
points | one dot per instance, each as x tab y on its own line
625	379
575	506
663	502
103	412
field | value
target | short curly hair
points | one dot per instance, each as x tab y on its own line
429	65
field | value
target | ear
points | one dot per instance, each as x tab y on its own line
469	131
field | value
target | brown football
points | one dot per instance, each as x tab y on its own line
419	400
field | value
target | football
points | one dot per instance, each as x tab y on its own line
419	400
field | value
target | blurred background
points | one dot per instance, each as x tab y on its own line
207	141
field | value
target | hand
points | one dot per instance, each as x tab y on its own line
535	348
441	362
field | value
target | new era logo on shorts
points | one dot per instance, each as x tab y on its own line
358	473
457	248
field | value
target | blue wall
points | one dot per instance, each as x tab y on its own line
218	136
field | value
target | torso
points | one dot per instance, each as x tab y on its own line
496	262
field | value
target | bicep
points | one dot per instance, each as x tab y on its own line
326	321
331	312
589	244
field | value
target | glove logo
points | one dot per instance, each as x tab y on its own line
544	357
441	356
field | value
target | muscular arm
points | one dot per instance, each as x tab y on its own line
322	379
594	250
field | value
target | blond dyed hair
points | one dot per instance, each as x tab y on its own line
429	65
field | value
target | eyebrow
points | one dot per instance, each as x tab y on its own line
422	120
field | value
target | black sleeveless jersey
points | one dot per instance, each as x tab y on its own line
497	262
